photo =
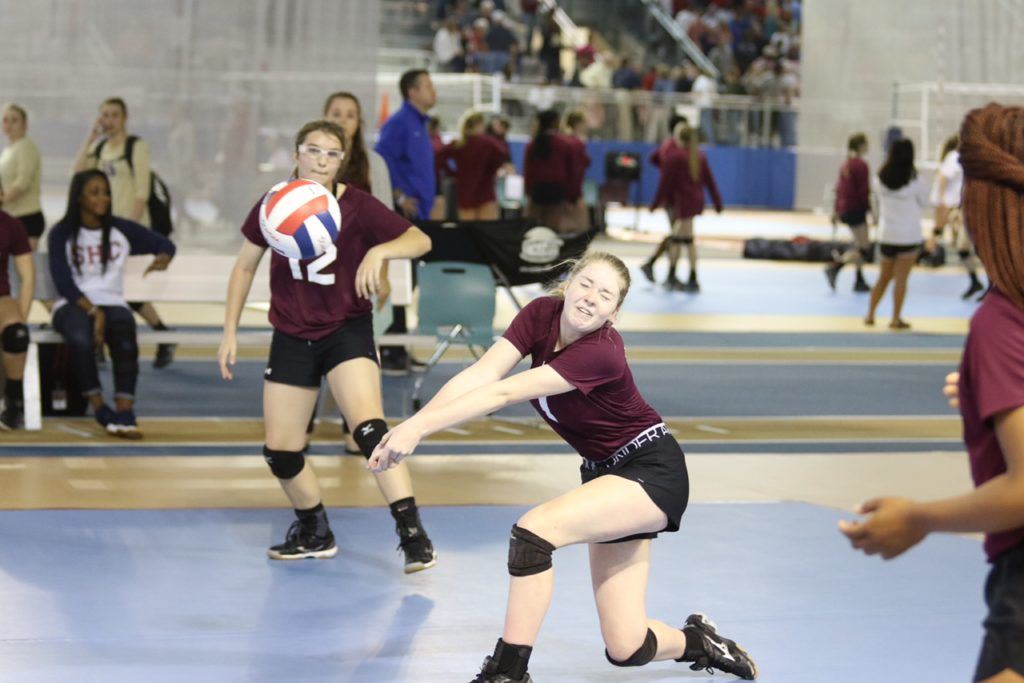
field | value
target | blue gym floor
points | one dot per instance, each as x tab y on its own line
189	596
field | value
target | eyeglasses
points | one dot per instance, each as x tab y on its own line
317	153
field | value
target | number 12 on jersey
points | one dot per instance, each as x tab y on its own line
315	267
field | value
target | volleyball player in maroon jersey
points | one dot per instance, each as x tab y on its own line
14	246
321	313
634	476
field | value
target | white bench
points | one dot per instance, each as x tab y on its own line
191	278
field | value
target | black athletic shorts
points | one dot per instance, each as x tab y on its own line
302	363
894	250
659	466
34	223
854	218
1003	645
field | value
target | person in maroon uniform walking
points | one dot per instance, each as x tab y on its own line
548	171
477	158
634	478
852	207
990	395
13	314
657	155
685	174
321	313
576	134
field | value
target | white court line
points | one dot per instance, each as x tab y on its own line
713	430
76	432
507	430
460	432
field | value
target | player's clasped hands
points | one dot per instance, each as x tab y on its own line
397	444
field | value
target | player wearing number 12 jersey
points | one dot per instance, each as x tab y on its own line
321	310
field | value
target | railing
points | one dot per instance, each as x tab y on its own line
691	49
627	115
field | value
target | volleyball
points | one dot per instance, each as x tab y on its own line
300	219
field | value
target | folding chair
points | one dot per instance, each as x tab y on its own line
456	304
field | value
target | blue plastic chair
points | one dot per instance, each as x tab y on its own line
456	304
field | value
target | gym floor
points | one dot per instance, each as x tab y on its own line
146	559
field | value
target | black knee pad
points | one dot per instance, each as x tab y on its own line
136	305
528	553
867	254
642	656
14	338
368	434
682	240
964	254
284	464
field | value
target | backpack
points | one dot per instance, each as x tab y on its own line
159	203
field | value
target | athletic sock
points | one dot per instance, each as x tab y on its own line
314	519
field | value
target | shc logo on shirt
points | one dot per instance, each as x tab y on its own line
93	255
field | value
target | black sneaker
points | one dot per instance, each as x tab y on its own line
975	287
124	425
12	417
831	271
164	355
105	415
861	285
719	652
301	544
648	270
414	542
489	674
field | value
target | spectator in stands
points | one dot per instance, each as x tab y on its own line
577	217
598	76
477	158
684	177
721	54
528	10
853	207
88	249
626	77
903	196
106	147
448	47
502	44
20	174
14	247
548	171
551	49
685	77
405	145
476	46
705	90
745	50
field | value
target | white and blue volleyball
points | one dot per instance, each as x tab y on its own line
300	219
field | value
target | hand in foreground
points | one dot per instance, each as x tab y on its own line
368	274
951	390
889	530
397	444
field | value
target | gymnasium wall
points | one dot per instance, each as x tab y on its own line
217	88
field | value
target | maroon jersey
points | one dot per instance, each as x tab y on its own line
667	145
605	410
13	242
310	298
554	169
852	187
476	164
580	164
991	382
677	187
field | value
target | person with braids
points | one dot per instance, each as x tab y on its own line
946	191
902	197
852	207
478	158
634	478
88	250
989	392
685	174
548	171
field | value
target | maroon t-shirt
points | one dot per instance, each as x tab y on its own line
664	148
677	187
310	298
605	411
852	187
580	164
991	382
13	242
556	168
476	164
